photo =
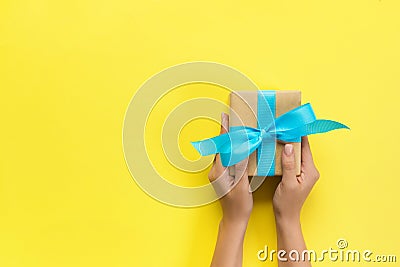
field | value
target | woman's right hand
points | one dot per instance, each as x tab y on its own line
293	190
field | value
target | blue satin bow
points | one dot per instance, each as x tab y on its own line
241	141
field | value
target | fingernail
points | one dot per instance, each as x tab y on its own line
288	149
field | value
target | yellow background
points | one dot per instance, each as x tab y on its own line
68	70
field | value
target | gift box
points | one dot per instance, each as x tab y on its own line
247	108
261	122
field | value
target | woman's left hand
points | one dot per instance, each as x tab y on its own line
237	204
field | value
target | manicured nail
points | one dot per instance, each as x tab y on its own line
288	149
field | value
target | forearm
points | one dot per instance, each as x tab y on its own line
229	247
290	237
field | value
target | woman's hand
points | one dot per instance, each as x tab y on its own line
237	204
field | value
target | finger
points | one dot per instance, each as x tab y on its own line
241	174
301	178
222	185
288	165
306	155
308	165
224	123
224	129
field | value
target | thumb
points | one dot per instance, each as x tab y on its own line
288	164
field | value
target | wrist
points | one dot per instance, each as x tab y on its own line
286	221
234	225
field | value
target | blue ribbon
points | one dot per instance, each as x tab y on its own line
237	144
265	116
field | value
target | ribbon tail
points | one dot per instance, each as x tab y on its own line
315	127
233	146
217	144
323	126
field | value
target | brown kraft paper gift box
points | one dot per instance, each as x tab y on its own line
244	103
